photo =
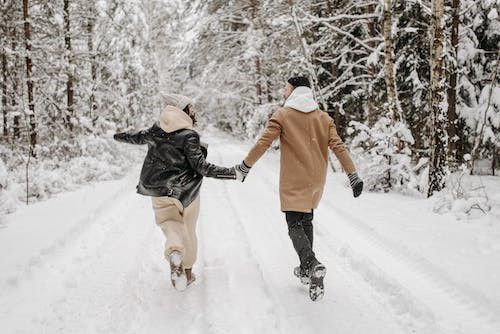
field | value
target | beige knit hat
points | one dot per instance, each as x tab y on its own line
177	100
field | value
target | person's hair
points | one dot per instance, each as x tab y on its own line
299	81
189	111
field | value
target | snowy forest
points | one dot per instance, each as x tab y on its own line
411	85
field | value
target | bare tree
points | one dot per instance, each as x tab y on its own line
69	82
439	116
16	132
254	8
29	79
92	58
4	92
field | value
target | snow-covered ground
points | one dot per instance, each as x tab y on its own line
91	261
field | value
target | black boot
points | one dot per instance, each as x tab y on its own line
302	274
317	272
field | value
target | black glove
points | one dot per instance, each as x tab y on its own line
242	171
119	136
356	184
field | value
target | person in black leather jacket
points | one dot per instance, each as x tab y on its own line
172	175
175	163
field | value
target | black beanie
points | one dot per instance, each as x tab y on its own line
299	81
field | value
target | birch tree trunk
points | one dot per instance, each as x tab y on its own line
390	81
439	116
29	79
69	82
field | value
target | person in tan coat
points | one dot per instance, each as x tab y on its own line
305	133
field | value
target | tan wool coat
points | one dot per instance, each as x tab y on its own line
304	141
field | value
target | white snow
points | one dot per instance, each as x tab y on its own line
91	261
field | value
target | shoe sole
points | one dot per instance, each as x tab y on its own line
191	282
303	279
177	274
316	287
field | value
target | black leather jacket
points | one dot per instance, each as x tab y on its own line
175	163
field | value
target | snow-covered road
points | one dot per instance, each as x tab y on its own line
91	261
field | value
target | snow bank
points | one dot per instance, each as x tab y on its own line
98	159
8	189
469	197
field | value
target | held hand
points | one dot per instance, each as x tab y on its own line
356	184
242	171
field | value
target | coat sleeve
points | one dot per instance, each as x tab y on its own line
271	133
196	158
338	147
137	138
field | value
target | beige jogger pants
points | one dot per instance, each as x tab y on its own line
179	226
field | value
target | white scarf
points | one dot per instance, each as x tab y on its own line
302	99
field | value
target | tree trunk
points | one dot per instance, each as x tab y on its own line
258	72
92	57
4	94
16	132
371	117
29	79
439	115
4	75
258	85
304	48
334	112
452	89
69	83
494	159
390	81
269	91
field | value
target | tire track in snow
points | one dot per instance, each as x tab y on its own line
460	303
36	263
302	315
63	269
112	278
228	262
446	299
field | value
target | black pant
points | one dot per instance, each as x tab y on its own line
300	230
